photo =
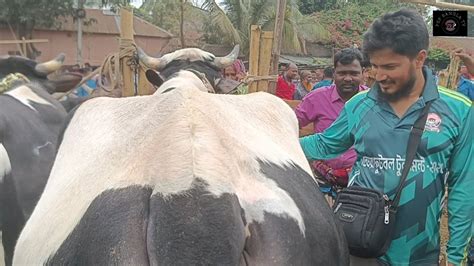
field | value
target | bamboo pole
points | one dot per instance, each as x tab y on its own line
265	57
442	4
132	84
23	41
23	45
181	24
17	43
126	40
254	56
453	73
79	61
278	32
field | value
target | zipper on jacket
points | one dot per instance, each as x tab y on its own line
387	215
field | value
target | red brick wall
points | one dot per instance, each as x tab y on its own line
95	47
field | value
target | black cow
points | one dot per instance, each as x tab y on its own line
182	177
30	122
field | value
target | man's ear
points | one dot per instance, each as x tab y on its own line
420	58
154	77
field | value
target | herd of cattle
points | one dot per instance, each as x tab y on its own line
182	176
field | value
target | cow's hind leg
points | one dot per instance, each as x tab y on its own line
195	227
12	217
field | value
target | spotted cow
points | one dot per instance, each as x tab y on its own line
182	177
30	122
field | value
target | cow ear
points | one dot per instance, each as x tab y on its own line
154	77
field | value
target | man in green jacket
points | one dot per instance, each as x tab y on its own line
378	122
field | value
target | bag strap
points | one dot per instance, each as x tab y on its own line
413	143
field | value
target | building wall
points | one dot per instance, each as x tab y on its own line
95	47
318	50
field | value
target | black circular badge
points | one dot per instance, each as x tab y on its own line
449	23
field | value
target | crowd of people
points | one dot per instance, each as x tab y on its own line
295	85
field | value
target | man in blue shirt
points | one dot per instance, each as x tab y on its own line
327	79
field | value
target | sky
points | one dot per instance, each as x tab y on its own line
136	3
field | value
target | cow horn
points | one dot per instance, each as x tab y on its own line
223	62
50	66
151	62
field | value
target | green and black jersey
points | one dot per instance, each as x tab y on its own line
445	157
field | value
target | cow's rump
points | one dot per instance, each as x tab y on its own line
185	177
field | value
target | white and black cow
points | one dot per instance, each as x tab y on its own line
30	122
182	177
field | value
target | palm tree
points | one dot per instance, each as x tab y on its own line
235	17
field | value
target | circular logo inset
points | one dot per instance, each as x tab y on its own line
450	22
450	25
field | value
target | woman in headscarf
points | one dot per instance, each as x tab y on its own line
237	72
304	86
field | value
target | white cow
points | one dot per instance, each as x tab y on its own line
182	177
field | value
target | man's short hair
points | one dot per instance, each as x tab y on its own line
328	72
347	55
304	74
291	65
403	31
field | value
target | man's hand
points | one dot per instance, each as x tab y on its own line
466	58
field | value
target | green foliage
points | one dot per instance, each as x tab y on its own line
163	13
34	13
349	21
112	4
24	15
338	23
212	33
115	3
234	31
308	7
438	58
236	16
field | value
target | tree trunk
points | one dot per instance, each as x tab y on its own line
277	36
181	24
302	42
25	30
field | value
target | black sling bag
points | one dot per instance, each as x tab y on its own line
367	215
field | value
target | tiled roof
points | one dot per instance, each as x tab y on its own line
454	42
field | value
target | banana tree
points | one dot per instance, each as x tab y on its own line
234	18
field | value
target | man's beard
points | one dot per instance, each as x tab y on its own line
402	92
